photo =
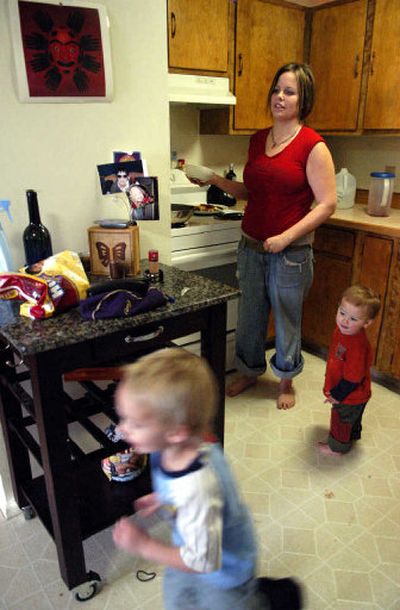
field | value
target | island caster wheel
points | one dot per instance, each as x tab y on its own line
28	513
88	589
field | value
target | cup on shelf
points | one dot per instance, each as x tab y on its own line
117	270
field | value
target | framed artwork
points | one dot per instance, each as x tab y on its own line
61	51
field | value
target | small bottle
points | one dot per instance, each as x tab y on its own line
36	238
227	198
6	262
154	266
231	173
174	159
181	164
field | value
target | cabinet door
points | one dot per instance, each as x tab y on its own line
198	35
374	272
388	356
382	106
333	254
336	57
331	277
267	36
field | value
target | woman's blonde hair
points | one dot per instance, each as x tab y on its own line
362	296
176	386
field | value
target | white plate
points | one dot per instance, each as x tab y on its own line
198	172
112	223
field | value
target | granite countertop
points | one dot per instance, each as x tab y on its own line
30	337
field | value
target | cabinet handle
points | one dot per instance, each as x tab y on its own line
240	68
356	62
173	25
148	337
372	62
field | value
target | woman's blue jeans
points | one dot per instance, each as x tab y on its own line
277	282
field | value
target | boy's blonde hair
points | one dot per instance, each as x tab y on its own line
176	386
362	296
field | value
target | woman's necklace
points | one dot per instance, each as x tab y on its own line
275	144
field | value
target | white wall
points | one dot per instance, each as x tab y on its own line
54	148
365	154
360	154
216	152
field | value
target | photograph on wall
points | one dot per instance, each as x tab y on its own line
118	177
143	199
61	51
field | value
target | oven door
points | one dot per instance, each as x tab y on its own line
217	262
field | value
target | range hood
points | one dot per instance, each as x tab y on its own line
202	91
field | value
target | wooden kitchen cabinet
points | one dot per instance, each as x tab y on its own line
372	269
382	105
388	354
344	257
267	35
277	36
333	253
336	58
198	36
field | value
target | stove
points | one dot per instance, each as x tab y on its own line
207	246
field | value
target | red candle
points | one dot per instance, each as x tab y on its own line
153	261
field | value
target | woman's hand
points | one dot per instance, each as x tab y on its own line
276	243
129	537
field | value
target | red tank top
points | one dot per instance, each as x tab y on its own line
279	193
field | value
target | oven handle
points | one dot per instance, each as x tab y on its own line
201	258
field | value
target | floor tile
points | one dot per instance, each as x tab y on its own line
333	524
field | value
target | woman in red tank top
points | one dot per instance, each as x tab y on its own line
289	167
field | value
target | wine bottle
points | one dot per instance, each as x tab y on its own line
36	238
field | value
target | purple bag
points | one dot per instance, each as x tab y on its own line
120	304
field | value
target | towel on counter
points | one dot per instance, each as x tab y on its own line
121	304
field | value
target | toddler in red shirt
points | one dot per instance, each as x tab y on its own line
347	379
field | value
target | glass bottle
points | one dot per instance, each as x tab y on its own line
227	198
36	238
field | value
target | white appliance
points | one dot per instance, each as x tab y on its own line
207	246
200	90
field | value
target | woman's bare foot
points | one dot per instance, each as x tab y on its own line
286	397
326	450
240	384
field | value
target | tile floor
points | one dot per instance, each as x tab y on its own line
334	523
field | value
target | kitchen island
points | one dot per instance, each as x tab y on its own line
73	498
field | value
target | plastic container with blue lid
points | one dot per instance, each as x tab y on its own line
380	193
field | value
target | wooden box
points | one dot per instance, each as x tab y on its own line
119	245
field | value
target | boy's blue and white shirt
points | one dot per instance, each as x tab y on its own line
210	522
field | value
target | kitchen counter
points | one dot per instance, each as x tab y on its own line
358	218
73	498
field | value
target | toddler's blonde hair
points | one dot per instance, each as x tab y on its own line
176	386
362	296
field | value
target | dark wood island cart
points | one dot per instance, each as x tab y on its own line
72	497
